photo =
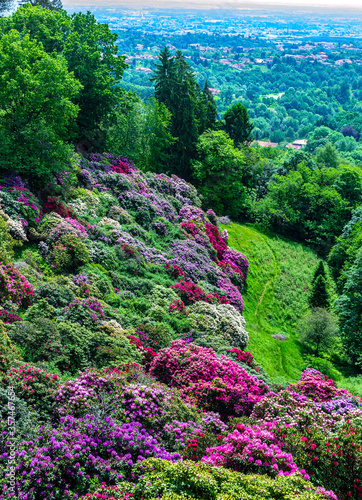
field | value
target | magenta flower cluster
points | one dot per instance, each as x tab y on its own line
202	375
253	449
14	287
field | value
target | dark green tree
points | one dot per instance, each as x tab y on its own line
210	109
51	28
176	87
219	169
92	55
320	271
238	124
349	311
164	78
319	294
328	155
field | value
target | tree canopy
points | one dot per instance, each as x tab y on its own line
238	124
36	108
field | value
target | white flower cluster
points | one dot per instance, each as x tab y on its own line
85	203
225	235
220	319
16	230
106	221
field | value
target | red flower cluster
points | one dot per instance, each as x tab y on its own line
191	452
55	205
8	317
216	241
190	292
147	352
120	168
178	306
334	461
245	357
190	227
174	270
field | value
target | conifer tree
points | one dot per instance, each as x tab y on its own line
238	124
210	109
176	87
319	294
164	76
320	271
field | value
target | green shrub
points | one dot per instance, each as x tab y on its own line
69	253
8	353
39	340
56	295
184	480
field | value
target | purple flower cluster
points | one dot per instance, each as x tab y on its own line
79	279
12	180
238	259
190	213
145	405
213	423
159	226
83	310
177	434
61	462
195	261
152	255
77	396
340	406
232	293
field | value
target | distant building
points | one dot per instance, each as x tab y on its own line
297	144
266	144
214	91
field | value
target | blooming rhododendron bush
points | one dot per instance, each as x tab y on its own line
124	349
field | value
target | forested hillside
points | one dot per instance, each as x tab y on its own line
180	317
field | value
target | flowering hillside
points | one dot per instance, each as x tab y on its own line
124	368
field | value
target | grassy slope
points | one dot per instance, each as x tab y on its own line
279	278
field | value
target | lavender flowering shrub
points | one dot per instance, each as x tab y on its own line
60	462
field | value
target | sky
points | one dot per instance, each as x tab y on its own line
326	4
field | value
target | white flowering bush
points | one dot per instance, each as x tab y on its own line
16	230
162	296
220	320
106	221
84	202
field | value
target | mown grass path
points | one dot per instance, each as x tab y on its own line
278	284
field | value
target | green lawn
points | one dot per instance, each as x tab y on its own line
278	283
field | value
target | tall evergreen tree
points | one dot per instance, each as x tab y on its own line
320	271
210	109
176	87
319	294
238	124
164	77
